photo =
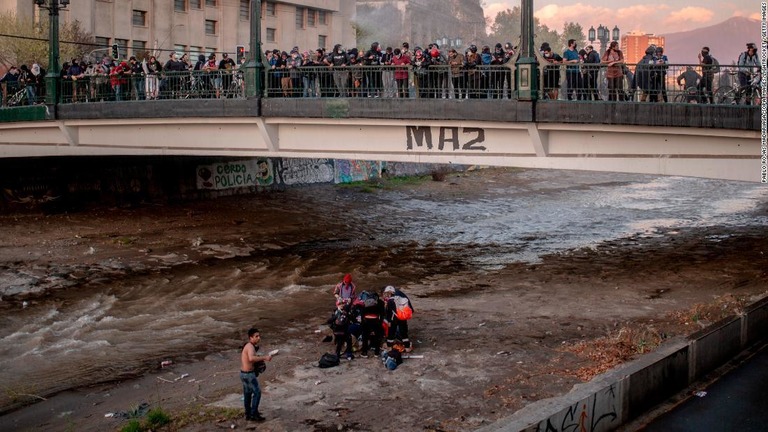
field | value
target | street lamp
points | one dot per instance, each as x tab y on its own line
603	35
526	71
51	79
254	68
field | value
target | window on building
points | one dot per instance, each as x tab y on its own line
322	17
210	3
101	42
180	5
271	8
196	4
210	27
139	18
322	40
139	48
194	53
271	34
245	9
311	18
300	17
122	46
180	49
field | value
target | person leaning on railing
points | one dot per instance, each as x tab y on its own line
401	62
614	73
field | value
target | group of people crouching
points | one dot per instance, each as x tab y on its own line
370	318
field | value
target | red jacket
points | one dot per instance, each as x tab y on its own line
401	72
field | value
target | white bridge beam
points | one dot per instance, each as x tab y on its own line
698	152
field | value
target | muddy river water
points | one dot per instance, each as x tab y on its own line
106	294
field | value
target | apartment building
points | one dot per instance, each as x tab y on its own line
203	26
633	45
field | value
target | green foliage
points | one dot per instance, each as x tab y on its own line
506	27
156	418
572	30
132	426
27	42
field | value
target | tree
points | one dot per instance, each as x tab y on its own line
507	27
572	30
27	42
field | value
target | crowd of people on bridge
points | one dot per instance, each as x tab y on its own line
402	72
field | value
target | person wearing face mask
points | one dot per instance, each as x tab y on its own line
551	72
372	78
572	75
591	70
421	63
472	61
707	75
337	61
456	63
401	62
387	74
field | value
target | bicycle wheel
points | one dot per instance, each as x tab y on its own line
724	95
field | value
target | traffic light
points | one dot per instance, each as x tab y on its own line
115	52
240	50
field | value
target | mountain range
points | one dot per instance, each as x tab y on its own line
725	40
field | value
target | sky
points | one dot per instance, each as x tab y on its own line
650	16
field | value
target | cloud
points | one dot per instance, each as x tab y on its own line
689	15
643	18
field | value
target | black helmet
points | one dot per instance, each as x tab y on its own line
473	48
498	45
508	46
751	45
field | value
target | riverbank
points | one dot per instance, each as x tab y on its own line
492	341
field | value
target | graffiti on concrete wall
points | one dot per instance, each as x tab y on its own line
305	171
234	174
596	413
356	170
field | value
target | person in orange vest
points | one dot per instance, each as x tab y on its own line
398	311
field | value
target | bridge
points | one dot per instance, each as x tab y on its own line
687	139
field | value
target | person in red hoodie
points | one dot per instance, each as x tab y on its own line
401	61
118	79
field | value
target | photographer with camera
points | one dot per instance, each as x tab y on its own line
251	366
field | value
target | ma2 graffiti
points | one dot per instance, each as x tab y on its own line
422	135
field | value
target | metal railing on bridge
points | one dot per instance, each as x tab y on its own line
670	83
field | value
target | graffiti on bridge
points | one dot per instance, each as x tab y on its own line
305	171
468	138
355	170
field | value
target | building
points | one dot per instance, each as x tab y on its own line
419	22
633	45
203	26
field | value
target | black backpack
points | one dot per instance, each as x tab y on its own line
369	299
328	360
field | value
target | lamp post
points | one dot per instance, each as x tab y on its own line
254	67
526	72
51	79
603	34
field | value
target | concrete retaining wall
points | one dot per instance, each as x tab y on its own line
623	394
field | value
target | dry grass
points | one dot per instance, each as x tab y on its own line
630	341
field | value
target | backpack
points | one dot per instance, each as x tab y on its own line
369	300
341	320
403	310
715	68
328	360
